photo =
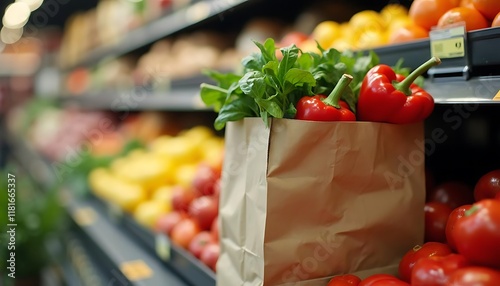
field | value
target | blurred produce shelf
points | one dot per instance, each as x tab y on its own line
158	29
182	99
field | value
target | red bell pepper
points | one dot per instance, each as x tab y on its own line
322	108
383	98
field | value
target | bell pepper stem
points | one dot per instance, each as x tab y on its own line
405	84
334	97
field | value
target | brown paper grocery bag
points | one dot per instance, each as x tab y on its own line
304	200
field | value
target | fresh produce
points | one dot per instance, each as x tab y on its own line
488	8
477	233
344	280
451	193
426	13
436	217
199	242
496	21
411	257
455	215
204	180
488	186
471	17
184	231
166	222
182	198
322	108
383	99
204	210
474	276
271	88
435	270
210	254
382	279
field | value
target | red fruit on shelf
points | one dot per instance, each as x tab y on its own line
184	232
210	255
199	242
215	228
167	222
452	193
477	234
474	276
455	215
182	198
436	217
204	180
204	210
435	270
344	280
418	252
382	280
488	186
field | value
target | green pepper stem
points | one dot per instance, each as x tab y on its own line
405	84
334	97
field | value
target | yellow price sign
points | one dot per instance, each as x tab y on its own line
84	216
136	270
448	48
497	96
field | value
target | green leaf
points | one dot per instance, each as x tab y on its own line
253	62
271	107
253	84
271	68
212	96
237	109
290	55
305	61
290	111
223	80
268	50
298	77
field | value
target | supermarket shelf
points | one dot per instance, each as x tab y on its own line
172	256
477	90
183	99
160	28
480	43
36	166
120	257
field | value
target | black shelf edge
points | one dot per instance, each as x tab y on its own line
181	99
480	90
159	28
107	243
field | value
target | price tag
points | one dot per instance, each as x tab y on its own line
136	270
450	45
162	247
497	96
84	216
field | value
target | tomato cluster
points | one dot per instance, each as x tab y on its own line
193	225
462	239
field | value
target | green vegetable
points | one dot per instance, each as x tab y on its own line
270	87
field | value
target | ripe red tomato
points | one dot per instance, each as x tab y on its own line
167	222
428	249
372	279
452	193
344	280
215	229
184	232
204	180
435	270
199	242
474	276
488	186
477	234
436	217
210	255
204	210
182	198
455	215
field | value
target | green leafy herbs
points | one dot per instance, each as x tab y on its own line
270	87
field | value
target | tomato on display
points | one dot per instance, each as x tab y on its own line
436	218
455	215
418	252
488	186
477	234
